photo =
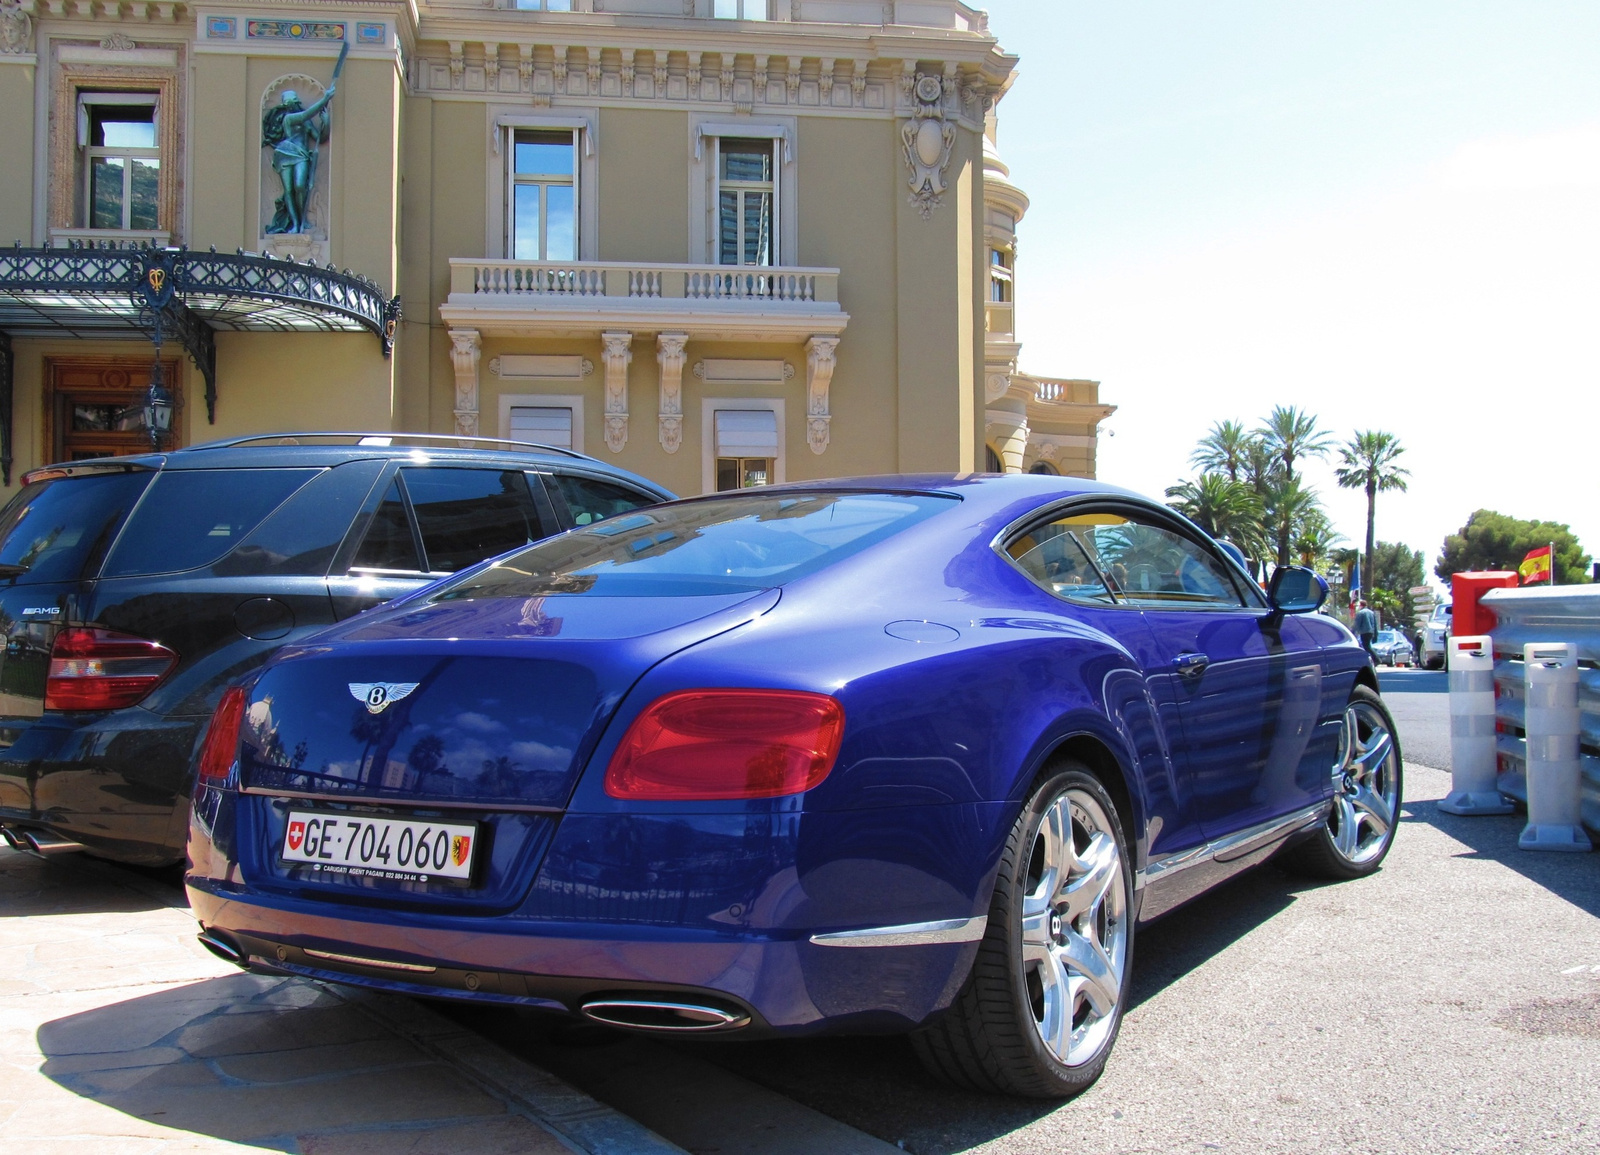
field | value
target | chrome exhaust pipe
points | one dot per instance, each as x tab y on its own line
663	1016
223	949
39	843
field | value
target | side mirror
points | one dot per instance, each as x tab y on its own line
1297	590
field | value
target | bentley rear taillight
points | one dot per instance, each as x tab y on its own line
701	745
94	669
222	737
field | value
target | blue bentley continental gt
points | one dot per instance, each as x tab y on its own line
911	754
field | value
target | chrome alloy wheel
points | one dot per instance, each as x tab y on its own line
1075	927
1366	785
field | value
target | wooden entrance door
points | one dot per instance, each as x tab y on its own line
92	406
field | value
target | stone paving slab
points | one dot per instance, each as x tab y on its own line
117	1029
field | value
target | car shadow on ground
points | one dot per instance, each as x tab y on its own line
876	1083
78	884
1574	877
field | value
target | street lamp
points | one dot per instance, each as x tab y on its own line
158	405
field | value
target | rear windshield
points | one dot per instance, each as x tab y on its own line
58	529
191	517
722	545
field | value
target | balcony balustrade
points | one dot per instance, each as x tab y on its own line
537	298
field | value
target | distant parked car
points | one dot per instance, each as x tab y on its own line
904	754
1435	633
133	589
1391	648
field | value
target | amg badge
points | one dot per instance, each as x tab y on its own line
378	695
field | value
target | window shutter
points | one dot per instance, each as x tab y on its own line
547	426
747	433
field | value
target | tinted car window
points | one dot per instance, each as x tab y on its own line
467	515
1056	560
703	547
302	535
1149	565
61	527
389	544
192	517
592	500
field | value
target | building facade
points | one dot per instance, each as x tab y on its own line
718	242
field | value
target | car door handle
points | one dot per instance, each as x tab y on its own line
1191	663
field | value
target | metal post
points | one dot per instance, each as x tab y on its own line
1473	761
1555	782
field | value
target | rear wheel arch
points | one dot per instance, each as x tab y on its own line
1103	763
1368	677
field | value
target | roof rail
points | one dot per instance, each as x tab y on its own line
322	437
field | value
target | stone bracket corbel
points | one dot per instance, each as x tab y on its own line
617	355
466	350
820	362
670	358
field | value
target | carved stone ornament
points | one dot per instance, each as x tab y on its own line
118	42
1047	451
669	356
617	355
16	29
995	386
821	360
466	349
928	139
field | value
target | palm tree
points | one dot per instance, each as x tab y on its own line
1289	505
1261	468
1223	508
1314	538
1224	449
1290	434
1367	461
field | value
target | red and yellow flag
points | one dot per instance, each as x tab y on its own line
1535	567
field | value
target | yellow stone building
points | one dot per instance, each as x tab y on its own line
717	242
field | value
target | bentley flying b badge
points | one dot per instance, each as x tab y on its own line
378	695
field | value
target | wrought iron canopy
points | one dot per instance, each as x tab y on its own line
97	292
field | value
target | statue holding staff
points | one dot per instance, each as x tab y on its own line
295	134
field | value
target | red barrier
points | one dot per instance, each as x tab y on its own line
1467	617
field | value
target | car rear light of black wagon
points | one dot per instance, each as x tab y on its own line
95	669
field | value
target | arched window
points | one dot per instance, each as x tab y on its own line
1044	467
991	461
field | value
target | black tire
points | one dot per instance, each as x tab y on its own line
991	1038
1338	850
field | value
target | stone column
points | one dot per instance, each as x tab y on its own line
466	350
669	356
1007	431
820	362
618	355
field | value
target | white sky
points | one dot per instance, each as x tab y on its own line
1387	213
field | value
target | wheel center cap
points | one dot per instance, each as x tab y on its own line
1055	925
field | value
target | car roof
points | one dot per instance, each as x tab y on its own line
324	450
986	492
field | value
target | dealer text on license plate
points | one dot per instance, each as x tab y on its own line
364	845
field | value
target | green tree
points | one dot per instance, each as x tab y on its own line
1390	608
1367	462
1223	450
1223	508
1398	567
1494	541
1289	505
1289	435
1313	538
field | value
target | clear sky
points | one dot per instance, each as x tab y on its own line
1384	211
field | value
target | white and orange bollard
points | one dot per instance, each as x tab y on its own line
1555	782
1473	761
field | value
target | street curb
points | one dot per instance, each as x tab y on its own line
582	1122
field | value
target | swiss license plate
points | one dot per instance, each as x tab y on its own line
367	846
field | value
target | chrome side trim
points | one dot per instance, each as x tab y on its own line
381	964
1232	845
909	934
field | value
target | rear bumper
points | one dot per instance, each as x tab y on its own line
786	985
117	782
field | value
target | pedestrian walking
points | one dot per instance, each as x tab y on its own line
1366	623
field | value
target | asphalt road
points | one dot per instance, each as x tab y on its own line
1449	1003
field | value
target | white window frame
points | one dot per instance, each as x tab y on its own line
575	182
708	435
572	401
773	186
88	98
705	132
503	123
743	8
1002	273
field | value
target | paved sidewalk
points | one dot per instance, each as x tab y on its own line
118	1029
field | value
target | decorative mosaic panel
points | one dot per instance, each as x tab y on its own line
371	33
293	30
222	28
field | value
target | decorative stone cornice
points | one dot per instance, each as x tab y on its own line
669	357
617	355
